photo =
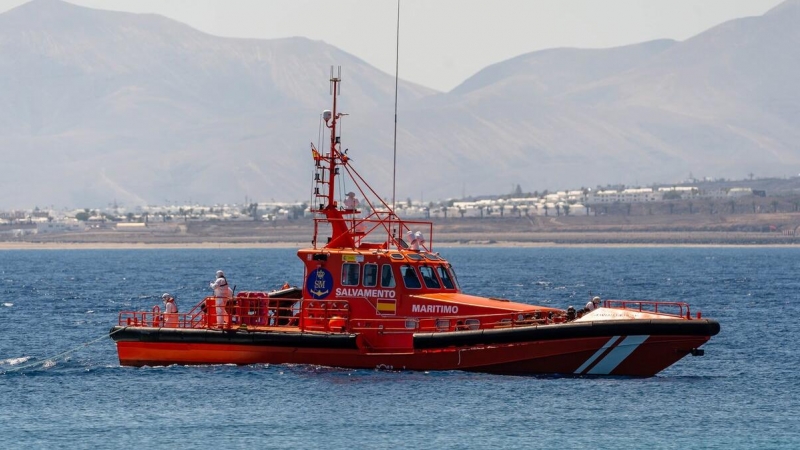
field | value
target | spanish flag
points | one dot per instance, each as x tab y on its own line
315	153
387	306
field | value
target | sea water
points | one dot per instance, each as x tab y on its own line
61	385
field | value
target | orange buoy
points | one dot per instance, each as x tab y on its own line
336	323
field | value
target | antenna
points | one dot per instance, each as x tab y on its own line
396	77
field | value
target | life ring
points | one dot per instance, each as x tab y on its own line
336	323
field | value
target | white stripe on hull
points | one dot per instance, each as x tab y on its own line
596	355
617	355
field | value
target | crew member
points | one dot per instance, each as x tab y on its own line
170	311
415	240
222	292
593	304
571	313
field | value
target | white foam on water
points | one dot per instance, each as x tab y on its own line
15	361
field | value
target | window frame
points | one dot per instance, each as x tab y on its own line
347	277
374	275
387	268
415	278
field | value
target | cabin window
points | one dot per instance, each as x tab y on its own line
472	324
387	277
452	275
370	275
410	278
429	278
350	274
445	276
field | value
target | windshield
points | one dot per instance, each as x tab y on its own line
410	278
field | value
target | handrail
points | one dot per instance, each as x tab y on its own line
456	323
326	316
651	306
257	311
365	227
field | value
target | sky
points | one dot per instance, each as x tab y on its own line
444	42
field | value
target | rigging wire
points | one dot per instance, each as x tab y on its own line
60	355
340	128
396	77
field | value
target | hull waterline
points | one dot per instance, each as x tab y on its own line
570	350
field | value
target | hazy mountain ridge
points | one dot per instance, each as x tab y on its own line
99	105
145	109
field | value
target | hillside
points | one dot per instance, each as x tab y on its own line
97	106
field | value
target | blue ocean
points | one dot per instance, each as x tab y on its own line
61	385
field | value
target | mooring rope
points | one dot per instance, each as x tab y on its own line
62	354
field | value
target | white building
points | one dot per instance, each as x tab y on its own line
634	195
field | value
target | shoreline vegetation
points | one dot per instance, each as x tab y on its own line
782	229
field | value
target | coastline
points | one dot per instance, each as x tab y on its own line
4	246
600	232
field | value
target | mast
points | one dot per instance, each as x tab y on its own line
326	171
334	144
348	228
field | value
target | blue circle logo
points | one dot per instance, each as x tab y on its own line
319	283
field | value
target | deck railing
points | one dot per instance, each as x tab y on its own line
676	309
455	323
255	309
246	309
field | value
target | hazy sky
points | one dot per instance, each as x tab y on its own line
443	42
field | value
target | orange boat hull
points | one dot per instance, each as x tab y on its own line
644	356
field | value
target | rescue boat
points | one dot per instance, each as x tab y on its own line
376	295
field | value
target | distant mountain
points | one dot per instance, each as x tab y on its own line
723	103
99	105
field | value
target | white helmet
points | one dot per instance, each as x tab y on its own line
220	274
